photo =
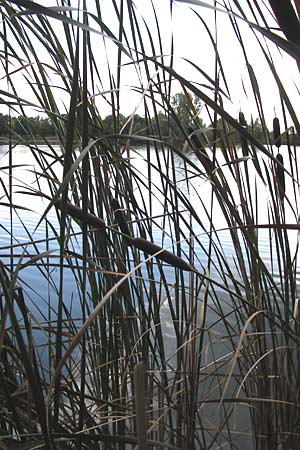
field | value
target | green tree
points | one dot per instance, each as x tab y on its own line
136	125
43	127
160	125
256	129
112	124
22	125
186	108
224	129
3	124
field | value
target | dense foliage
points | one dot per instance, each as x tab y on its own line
39	127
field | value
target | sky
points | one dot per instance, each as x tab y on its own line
187	26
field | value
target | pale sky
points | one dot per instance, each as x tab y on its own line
191	42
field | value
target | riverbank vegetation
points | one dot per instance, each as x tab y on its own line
23	128
154	303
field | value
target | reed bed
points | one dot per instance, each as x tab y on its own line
144	331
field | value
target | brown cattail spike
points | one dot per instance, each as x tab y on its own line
77	213
280	176
276	132
120	218
242	119
168	257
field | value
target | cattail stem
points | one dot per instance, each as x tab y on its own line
140	405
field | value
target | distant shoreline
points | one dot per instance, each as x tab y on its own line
38	141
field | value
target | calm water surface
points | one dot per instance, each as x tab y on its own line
26	174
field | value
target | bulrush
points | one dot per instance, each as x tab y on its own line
276	132
77	213
168	257
280	176
120	218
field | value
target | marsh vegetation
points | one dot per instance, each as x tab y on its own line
149	295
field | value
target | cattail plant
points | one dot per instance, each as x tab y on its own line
280	176
140	405
279	169
276	132
77	213
146	246
228	338
168	257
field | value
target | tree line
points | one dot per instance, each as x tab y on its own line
185	118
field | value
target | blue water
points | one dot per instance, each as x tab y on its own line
35	278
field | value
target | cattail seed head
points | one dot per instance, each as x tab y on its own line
168	257
276	132
280	176
242	119
77	213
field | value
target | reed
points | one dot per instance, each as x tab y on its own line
180	252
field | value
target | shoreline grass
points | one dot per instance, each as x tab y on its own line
165	339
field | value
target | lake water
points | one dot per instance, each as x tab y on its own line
39	293
26	176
